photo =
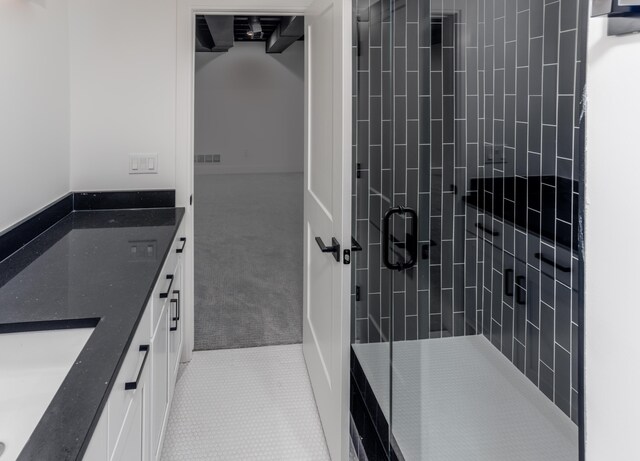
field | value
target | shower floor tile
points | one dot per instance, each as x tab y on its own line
245	404
461	399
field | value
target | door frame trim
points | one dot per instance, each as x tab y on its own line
186	11
185	60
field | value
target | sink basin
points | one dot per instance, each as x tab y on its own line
33	365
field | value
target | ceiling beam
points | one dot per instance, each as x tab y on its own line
204	41
290	29
221	29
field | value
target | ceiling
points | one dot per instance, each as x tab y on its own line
218	33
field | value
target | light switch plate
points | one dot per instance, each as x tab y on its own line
143	163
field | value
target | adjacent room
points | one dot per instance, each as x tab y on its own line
249	143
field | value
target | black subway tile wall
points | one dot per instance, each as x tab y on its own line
469	112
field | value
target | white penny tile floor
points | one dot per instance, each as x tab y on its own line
245	404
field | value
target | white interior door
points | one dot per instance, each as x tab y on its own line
327	214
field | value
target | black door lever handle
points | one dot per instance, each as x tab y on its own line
334	248
355	246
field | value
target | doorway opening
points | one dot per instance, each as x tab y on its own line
248	163
326	195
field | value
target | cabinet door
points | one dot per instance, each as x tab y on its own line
98	448
159	391
132	445
121	397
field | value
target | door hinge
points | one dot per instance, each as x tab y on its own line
357	292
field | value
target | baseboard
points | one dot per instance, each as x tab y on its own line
215	169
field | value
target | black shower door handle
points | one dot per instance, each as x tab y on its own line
334	248
412	238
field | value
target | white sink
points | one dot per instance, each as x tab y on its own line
32	368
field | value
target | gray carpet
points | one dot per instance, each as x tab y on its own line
248	260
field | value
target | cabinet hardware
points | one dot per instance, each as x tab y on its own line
174	302
508	282
177	293
184	244
487	230
166	294
131	385
551	262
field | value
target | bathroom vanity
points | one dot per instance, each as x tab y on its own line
108	283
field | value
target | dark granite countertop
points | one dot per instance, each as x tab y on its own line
81	272
510	198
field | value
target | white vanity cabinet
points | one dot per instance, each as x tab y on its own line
133	422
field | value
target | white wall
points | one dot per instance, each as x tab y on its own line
612	343
249	108
123	91
34	106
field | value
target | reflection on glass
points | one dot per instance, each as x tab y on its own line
468	111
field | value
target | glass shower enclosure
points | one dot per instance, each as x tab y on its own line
467	172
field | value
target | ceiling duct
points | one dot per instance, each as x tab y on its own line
221	30
290	29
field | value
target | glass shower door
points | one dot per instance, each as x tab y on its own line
485	314
373	179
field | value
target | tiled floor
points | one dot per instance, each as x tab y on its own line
458	399
245	404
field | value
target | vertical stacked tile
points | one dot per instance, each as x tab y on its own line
456	99
373	165
532	151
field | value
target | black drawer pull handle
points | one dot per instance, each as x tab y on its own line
508	282
184	244
521	282
551	262
166	294
131	385
334	248
487	230
173	319
177	293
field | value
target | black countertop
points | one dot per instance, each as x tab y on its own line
81	272
511	199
